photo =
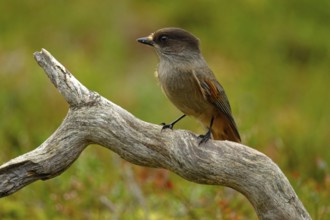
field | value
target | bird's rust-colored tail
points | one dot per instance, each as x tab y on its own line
225	129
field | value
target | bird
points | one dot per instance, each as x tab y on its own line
190	84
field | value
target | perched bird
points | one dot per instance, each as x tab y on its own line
190	84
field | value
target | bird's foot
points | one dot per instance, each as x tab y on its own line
166	126
171	125
205	137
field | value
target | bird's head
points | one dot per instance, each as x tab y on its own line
172	42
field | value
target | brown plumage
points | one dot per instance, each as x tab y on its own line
190	84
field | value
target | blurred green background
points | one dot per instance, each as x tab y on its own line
272	57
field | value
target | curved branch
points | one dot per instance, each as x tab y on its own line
94	119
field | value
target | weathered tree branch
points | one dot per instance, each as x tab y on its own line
93	119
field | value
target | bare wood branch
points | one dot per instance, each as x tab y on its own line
93	119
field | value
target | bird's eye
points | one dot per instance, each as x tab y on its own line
163	38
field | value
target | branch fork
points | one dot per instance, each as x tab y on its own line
94	119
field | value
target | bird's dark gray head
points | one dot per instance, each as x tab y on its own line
172	41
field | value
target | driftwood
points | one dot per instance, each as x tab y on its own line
93	119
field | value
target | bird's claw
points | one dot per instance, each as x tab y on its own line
166	126
204	137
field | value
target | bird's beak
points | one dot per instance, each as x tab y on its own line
146	40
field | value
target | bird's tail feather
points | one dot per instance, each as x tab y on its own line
223	129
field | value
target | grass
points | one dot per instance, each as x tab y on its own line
272	58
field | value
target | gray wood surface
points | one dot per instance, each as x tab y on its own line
93	119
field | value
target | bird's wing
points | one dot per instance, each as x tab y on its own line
215	94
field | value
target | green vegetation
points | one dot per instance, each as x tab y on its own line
272	57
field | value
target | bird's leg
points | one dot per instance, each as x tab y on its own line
170	125
207	136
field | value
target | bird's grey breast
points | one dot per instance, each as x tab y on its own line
182	88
